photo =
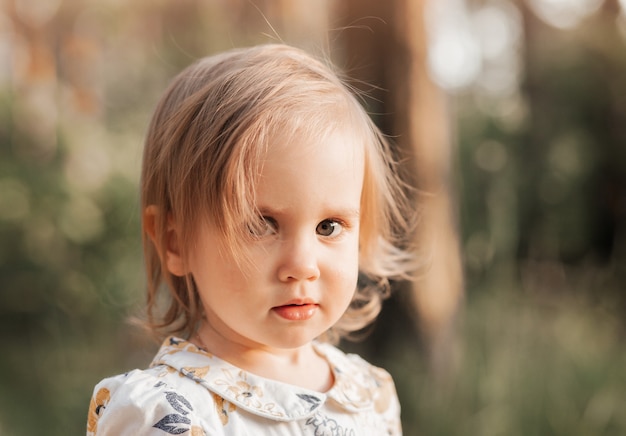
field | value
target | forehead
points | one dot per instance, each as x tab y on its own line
322	170
343	145
313	122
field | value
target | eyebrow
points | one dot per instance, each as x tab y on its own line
331	212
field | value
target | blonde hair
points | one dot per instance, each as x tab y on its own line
202	157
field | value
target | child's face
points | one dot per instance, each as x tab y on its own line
305	267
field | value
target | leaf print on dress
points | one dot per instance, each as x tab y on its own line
176	345
310	399
195	373
197	431
97	405
178	402
223	407
325	426
169	424
172	423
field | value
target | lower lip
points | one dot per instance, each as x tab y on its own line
296	312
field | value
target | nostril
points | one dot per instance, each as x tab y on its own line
299	261
298	271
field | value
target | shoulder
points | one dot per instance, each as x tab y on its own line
144	402
352	371
353	364
361	386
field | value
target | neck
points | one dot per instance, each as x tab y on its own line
301	366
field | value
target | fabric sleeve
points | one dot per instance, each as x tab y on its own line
386	402
383	391
137	403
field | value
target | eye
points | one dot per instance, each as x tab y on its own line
264	226
329	228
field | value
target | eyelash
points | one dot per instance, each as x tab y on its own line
334	223
271	227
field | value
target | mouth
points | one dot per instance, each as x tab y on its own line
296	311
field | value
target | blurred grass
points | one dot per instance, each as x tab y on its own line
523	364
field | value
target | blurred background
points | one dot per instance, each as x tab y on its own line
510	116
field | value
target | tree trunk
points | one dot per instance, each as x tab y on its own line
394	52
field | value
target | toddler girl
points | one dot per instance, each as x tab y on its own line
270	221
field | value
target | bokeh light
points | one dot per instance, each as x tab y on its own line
454	54
564	14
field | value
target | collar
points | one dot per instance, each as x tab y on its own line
354	389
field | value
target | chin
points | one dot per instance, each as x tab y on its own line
290	341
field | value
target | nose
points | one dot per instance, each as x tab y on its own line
298	261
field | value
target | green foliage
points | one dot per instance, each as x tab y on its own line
67	262
523	365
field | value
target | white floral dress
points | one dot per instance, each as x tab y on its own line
187	391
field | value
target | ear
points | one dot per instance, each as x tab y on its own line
169	248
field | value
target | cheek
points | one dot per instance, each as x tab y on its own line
346	273
346	289
227	275
211	272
